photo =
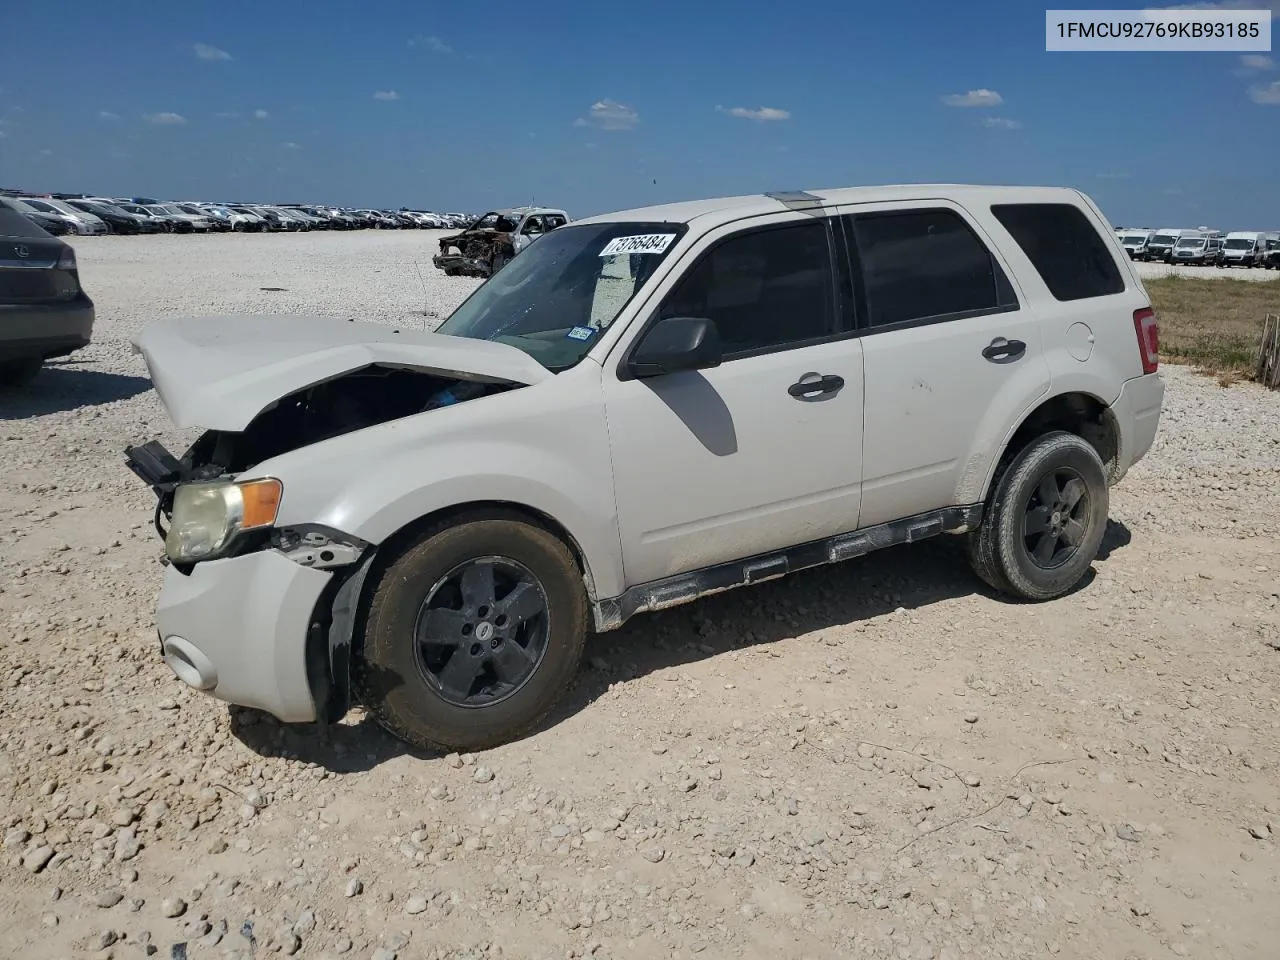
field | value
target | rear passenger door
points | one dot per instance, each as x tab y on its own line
951	355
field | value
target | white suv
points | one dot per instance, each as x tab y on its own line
641	409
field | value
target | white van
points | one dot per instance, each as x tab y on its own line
1135	242
1162	244
1244	248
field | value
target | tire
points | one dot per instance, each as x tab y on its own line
406	686
18	373
500	260
999	549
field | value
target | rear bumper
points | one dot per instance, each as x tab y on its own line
45	330
237	628
1137	412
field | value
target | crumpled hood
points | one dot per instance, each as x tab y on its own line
220	372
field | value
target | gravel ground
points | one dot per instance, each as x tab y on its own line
877	759
1152	271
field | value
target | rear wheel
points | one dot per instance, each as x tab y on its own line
473	634
17	373
1045	520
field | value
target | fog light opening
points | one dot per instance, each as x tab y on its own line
189	665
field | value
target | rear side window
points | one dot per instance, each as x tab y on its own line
1064	247
925	266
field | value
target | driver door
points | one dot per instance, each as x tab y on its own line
763	452
529	231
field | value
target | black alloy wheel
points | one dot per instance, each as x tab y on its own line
482	631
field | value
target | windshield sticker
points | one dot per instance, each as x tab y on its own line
581	333
644	243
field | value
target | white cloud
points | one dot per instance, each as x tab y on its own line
164	119
1001	123
760	114
260	114
206	52
1267	95
1257	61
974	98
293	146
609	115
432	43
108	115
386	95
228	115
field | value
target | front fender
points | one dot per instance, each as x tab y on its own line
543	447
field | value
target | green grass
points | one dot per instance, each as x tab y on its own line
1213	325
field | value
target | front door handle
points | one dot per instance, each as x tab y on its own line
815	386
1001	350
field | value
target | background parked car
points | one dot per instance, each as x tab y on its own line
45	311
120	221
196	222
85	224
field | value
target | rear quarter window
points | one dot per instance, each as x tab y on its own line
1063	245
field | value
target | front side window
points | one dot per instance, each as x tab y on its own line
925	265
764	290
554	299
1064	247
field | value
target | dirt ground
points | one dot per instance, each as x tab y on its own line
878	759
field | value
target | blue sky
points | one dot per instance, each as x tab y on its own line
599	106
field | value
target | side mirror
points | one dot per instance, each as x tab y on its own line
674	344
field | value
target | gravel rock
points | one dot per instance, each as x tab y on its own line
37	858
173	907
354	888
482	775
108	898
416	905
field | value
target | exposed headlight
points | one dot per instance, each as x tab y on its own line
207	517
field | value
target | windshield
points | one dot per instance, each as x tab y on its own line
1134	239
1239	243
497	221
1190	243
1163	239
554	299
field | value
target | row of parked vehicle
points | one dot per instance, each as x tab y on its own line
1242	248
61	214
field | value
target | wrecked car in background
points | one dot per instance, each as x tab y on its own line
488	245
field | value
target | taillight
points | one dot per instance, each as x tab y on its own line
67	261
1147	327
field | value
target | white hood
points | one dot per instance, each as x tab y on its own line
220	372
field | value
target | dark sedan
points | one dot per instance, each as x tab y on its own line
120	221
44	312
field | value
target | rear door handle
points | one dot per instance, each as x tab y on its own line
1001	350
816	386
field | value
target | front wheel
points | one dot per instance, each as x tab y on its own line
1045	521
500	260
473	634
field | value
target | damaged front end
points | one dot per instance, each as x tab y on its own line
216	460
474	253
260	388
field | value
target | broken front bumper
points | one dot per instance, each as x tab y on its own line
237	629
461	264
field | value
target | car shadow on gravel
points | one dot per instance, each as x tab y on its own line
910	577
64	386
